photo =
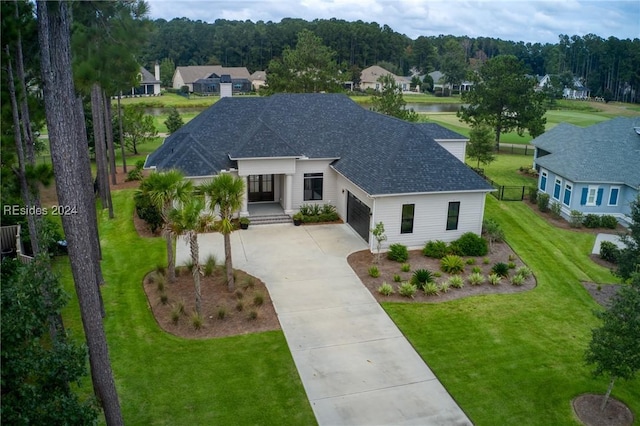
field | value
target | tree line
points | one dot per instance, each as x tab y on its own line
602	64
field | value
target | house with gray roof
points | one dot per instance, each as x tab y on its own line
296	149
186	76
595	169
148	84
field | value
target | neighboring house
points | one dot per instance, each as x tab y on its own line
595	169
186	76
258	79
369	79
542	81
296	149
577	91
438	83
149	84
212	84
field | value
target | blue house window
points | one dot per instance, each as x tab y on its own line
543	181
567	195
556	189
613	196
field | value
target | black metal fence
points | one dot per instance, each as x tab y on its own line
510	148
504	192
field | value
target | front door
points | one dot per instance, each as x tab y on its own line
260	188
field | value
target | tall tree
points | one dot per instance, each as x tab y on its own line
453	64
503	97
167	68
68	145
615	346
389	100
309	68
225	194
138	127
189	220
480	145
629	257
164	189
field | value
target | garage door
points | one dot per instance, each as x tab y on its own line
358	216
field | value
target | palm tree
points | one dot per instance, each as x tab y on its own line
225	192
188	221
164	189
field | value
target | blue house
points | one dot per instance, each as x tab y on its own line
595	169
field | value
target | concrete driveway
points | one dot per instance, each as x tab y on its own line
355	365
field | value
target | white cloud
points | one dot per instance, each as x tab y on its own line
517	20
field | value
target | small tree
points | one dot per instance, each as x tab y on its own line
615	346
380	236
629	258
493	231
389	100
138	127
481	146
174	121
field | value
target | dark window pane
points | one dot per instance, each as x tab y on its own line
313	186
452	215
408	210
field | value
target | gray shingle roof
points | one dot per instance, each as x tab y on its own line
604	152
380	154
439	132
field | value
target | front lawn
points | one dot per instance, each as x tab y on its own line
517	359
165	380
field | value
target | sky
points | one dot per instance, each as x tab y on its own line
516	20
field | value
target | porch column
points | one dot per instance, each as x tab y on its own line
288	190
244	210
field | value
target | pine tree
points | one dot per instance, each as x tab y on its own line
174	121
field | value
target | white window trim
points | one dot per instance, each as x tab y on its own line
595	195
570	186
544	175
609	197
558	182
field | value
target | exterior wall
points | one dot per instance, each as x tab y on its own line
457	148
620	209
430	217
178	81
267	166
328	184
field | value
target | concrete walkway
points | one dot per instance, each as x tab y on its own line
355	365
615	239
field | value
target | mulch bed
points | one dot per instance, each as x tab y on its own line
239	306
587	409
501	252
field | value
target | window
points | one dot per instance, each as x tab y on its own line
567	195
613	196
408	210
556	189
313	186
452	215
543	181
591	196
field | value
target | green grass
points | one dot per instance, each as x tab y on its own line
158	120
504	170
517	359
162	379
418	98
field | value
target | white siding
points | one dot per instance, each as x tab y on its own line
457	148
430	217
329	194
266	166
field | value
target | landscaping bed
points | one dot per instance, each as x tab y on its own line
361	261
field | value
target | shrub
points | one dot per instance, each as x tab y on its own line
253	314
398	252
476	278
556	209
248	282
258	299
494	279
239	294
456	281
437	274
407	289
175	315
196	321
608	221
576	219
436	249
533	194
591	221
405	267
160	281
147	211
471	244
397	278
452	264
609	251
517	280
511	265
421	277
512	257
209	265
444	286
136	172
524	272
470	261
486	261
239	306
431	289
164	298
385	289
492	230
501	269
222	312
179	306
374	271
476	270
543	202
